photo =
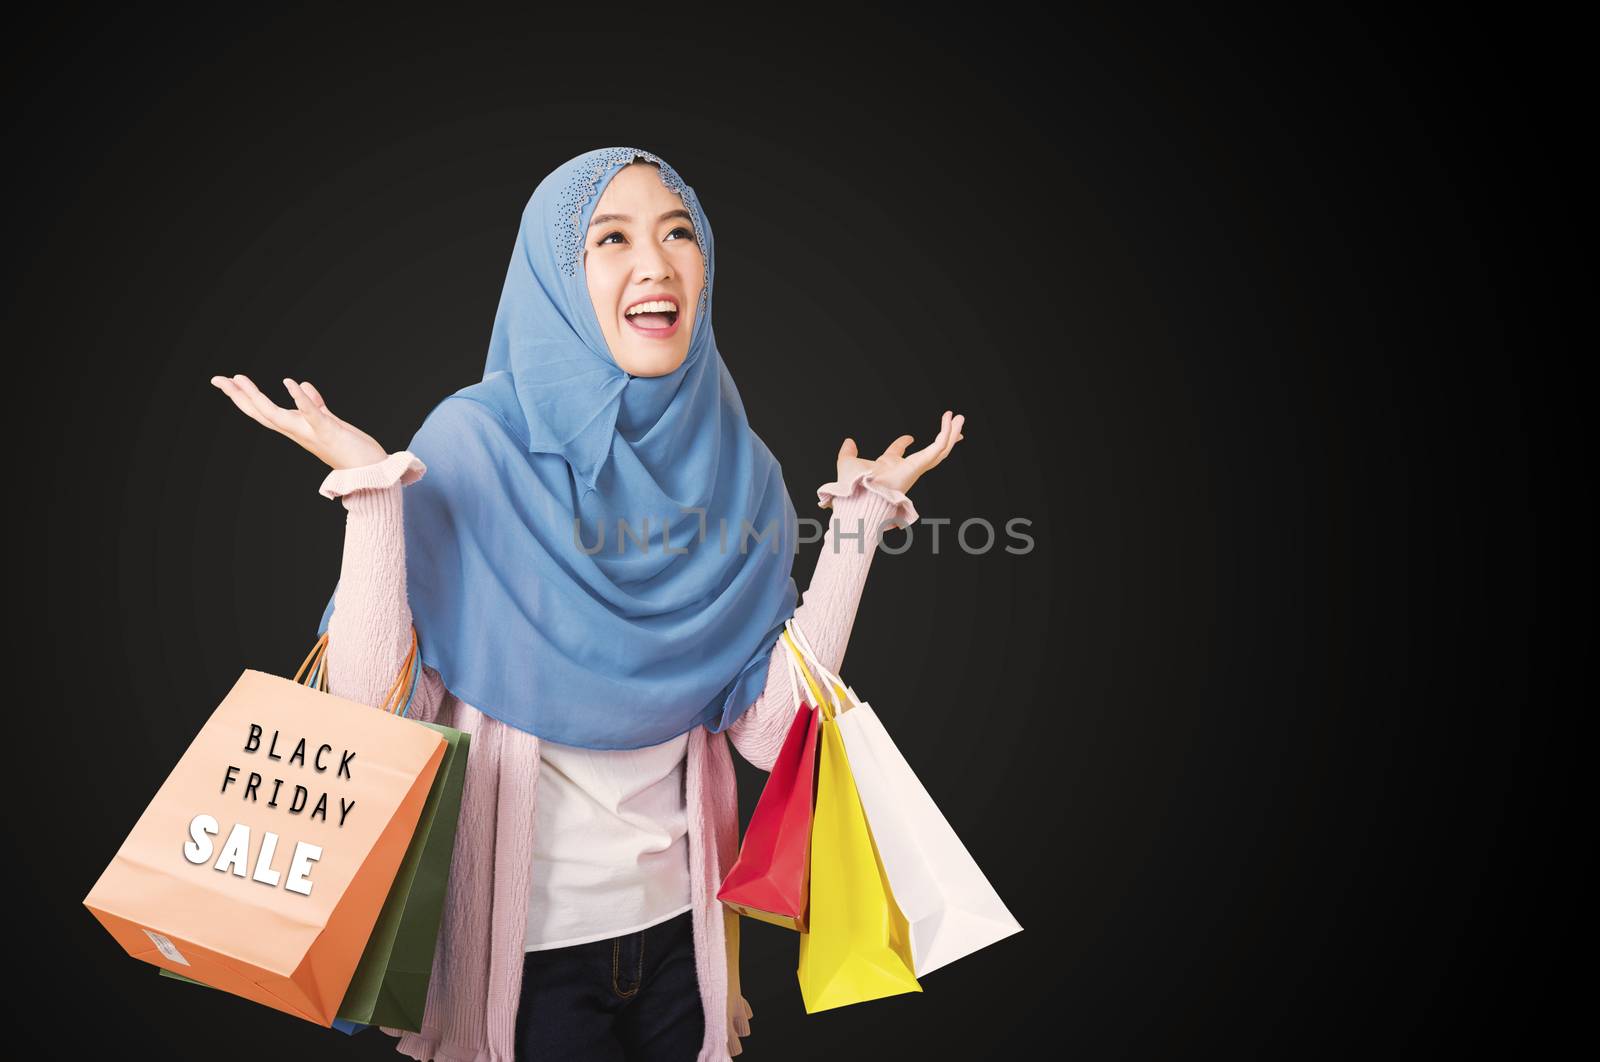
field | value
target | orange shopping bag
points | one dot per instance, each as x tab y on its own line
263	862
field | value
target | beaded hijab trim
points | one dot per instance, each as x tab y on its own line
569	214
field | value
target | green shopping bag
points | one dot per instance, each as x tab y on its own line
390	985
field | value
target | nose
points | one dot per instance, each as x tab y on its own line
652	263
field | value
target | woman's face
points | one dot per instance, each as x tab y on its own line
642	250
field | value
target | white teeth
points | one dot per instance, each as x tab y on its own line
659	306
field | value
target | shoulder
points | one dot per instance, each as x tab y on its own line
467	425
488	406
464	445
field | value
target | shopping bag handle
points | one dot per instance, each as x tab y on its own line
836	685
412	666
827	698
795	661
794	687
798	668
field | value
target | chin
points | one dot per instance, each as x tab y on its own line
655	364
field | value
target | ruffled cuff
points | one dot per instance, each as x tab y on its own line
900	507
402	466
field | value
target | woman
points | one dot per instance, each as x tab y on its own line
597	671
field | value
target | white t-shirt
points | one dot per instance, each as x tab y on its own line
610	842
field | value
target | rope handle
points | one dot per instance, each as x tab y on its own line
820	699
796	677
835	685
316	660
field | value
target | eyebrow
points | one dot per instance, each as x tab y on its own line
604	218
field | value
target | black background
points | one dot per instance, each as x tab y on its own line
1247	742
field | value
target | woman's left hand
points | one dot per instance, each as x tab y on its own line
739	1015
894	469
739	1012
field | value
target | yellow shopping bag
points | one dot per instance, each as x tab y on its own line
858	945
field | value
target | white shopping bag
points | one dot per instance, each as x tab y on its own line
952	909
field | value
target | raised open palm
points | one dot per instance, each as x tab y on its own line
311	423
895	468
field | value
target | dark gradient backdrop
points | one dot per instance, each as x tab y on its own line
1243	741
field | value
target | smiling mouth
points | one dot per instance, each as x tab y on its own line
657	325
659	319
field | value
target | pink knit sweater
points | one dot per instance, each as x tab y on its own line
471	1009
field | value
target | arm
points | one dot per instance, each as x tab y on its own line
827	610
369	632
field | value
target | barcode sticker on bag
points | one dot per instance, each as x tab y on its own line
166	947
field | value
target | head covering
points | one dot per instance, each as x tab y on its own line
514	606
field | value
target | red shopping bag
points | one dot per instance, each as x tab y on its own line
771	878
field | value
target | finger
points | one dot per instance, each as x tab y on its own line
240	399
929	455
305	404
898	447
848	449
955	435
316	395
950	433
275	415
322	404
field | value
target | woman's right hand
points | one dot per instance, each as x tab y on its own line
311	423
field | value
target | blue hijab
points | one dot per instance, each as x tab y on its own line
514	605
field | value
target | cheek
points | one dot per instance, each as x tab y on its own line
602	299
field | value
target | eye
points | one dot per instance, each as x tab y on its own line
681	228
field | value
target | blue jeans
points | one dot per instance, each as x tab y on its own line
633	998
